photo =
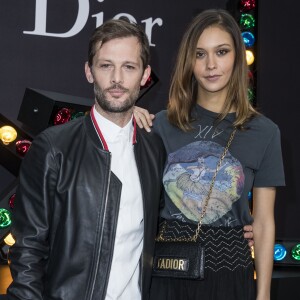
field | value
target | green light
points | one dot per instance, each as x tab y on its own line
250	95
247	21
296	252
5	218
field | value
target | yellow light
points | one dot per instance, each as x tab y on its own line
249	57
9	240
7	134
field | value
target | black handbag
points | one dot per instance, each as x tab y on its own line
178	257
184	257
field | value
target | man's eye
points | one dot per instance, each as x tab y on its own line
105	66
129	67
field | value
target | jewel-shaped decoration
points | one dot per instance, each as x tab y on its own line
62	116
247	5
247	21
7	134
22	147
250	95
248	38
296	252
77	115
5	218
249	57
279	252
11	201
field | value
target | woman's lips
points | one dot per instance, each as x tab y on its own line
212	77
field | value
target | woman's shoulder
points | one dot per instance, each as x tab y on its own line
161	119
162	126
262	122
161	116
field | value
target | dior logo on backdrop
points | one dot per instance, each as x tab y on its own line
81	19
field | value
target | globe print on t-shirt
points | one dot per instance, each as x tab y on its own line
188	175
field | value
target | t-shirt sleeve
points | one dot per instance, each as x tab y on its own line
271	172
158	122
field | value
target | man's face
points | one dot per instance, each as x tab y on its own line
117	74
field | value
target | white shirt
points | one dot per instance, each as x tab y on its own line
124	274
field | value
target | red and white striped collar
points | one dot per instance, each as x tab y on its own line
95	116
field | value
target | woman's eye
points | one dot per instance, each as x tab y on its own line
199	54
222	52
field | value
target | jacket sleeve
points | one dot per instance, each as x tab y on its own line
31	221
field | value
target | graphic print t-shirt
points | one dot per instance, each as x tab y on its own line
254	159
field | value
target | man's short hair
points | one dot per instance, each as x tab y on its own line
114	29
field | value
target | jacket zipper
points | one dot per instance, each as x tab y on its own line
101	235
143	196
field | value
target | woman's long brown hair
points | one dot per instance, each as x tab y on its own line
184	87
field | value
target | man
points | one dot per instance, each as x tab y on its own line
86	209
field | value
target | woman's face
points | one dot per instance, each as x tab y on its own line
215	55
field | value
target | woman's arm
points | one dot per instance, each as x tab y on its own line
264	235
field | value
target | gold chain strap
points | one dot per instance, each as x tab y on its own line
195	236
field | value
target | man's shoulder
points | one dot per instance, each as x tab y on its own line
58	134
151	136
151	140
66	127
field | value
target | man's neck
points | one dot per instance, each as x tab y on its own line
121	118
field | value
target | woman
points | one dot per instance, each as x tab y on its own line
208	99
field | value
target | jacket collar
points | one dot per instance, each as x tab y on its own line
91	131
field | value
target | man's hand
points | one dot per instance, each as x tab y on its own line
248	234
143	118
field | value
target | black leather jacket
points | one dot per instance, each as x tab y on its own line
66	212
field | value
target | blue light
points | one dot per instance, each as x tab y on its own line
250	196
248	38
279	252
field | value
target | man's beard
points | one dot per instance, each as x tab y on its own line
108	105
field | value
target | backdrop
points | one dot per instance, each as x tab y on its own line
44	45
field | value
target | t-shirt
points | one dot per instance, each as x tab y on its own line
254	159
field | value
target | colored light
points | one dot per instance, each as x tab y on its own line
250	95
77	115
250	75
11	201
296	252
247	5
249	57
248	38
62	116
9	240
5	218
249	196
279	252
23	146
247	21
7	134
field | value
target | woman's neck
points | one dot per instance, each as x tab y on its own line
213	102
